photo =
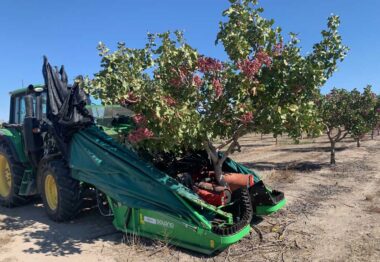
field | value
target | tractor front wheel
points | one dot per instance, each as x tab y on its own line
60	192
11	174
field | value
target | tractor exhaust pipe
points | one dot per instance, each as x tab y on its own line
38	112
29	110
31	130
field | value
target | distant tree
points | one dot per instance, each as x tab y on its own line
334	109
375	117
363	113
345	112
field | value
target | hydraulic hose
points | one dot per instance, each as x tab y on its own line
246	213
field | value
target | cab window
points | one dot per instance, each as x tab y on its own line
22	111
19	107
16	107
43	104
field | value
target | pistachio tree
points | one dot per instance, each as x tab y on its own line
375	117
363	113
345	112
184	100
284	93
335	113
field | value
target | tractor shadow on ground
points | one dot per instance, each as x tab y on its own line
57	239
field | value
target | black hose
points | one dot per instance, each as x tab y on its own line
246	213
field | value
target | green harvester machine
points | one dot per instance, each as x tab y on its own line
56	145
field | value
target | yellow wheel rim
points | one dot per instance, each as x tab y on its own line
51	192
5	176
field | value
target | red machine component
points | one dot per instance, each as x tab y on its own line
217	195
237	180
213	194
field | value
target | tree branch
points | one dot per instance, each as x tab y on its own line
337	136
229	150
224	144
345	134
329	134
211	151
234	143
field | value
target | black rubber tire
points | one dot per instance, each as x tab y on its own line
68	189
17	172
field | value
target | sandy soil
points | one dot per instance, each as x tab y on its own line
333	214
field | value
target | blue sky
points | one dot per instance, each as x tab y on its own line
68	33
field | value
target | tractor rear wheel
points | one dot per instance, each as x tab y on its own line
60	192
11	174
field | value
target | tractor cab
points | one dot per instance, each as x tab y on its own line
113	119
20	148
18	105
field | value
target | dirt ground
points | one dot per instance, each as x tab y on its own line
332	214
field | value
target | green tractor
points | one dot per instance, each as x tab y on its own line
56	146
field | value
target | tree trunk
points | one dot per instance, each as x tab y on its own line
219	173
372	133
358	142
332	155
261	136
217	162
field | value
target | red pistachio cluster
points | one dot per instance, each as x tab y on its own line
209	65
139	119
250	68
140	134
197	81
176	82
170	100
264	58
218	88
246	118
180	78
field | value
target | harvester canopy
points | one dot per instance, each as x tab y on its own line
97	159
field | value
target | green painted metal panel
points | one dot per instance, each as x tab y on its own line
15	136
267	210
172	229
28	185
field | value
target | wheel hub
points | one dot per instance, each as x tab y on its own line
51	192
5	176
